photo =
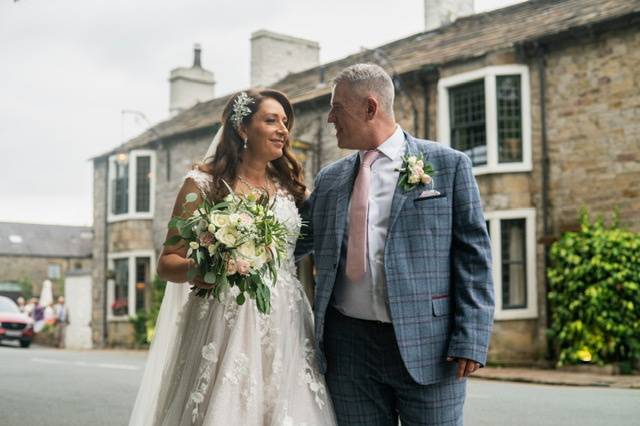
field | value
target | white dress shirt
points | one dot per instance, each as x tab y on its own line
367	298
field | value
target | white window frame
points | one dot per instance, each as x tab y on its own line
489	75
51	267
132	164
494	218
131	295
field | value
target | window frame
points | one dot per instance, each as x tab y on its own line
54	266
494	218
131	295
132	186
489	75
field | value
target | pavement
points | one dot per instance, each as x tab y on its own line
558	377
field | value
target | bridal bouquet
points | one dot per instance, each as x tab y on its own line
235	243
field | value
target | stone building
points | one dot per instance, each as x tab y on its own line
32	253
544	97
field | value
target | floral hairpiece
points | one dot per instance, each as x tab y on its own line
241	109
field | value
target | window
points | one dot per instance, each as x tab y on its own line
53	271
486	114
129	290
120	182
131	185
120	304
468	123
143	265
513	249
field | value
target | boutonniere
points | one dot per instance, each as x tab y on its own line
414	172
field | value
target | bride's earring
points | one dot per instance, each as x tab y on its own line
245	143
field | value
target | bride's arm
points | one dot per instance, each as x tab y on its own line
173	264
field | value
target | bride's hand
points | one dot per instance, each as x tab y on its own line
197	281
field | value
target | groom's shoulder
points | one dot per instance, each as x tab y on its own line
336	168
438	151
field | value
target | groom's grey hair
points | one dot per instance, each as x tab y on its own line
369	79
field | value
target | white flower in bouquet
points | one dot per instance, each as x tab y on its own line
247	249
227	236
220	220
246	219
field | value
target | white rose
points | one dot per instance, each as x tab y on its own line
194	245
220	220
411	160
211	228
413	179
247	250
417	171
227	236
263	256
420	164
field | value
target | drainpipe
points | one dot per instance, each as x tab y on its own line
425	98
106	262
541	65
428	75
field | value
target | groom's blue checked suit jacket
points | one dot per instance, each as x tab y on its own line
437	261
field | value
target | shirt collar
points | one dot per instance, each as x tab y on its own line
393	147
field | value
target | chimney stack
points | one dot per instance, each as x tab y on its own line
438	13
274	55
188	86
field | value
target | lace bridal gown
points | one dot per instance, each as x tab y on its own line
230	365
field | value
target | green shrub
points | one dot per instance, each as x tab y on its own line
144	323
594	280
139	323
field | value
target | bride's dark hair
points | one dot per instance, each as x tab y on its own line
224	163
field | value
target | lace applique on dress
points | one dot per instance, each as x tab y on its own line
210	355
202	180
311	376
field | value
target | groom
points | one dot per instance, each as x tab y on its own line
404	294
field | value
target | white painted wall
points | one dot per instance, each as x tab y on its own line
188	86
274	55
442	12
77	295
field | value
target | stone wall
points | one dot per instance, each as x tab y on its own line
36	269
593	111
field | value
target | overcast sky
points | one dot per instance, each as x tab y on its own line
70	66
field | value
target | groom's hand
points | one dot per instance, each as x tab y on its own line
465	368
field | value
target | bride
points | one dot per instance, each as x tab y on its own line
214	362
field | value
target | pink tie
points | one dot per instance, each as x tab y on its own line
358	214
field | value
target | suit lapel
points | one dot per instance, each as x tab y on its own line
342	189
399	195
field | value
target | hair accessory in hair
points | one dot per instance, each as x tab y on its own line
241	109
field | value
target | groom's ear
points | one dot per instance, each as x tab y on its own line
372	107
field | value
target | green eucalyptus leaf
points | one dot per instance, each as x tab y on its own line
172	241
240	299
191	197
210	277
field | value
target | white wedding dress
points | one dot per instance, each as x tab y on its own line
230	365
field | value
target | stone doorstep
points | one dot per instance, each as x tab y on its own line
554	377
